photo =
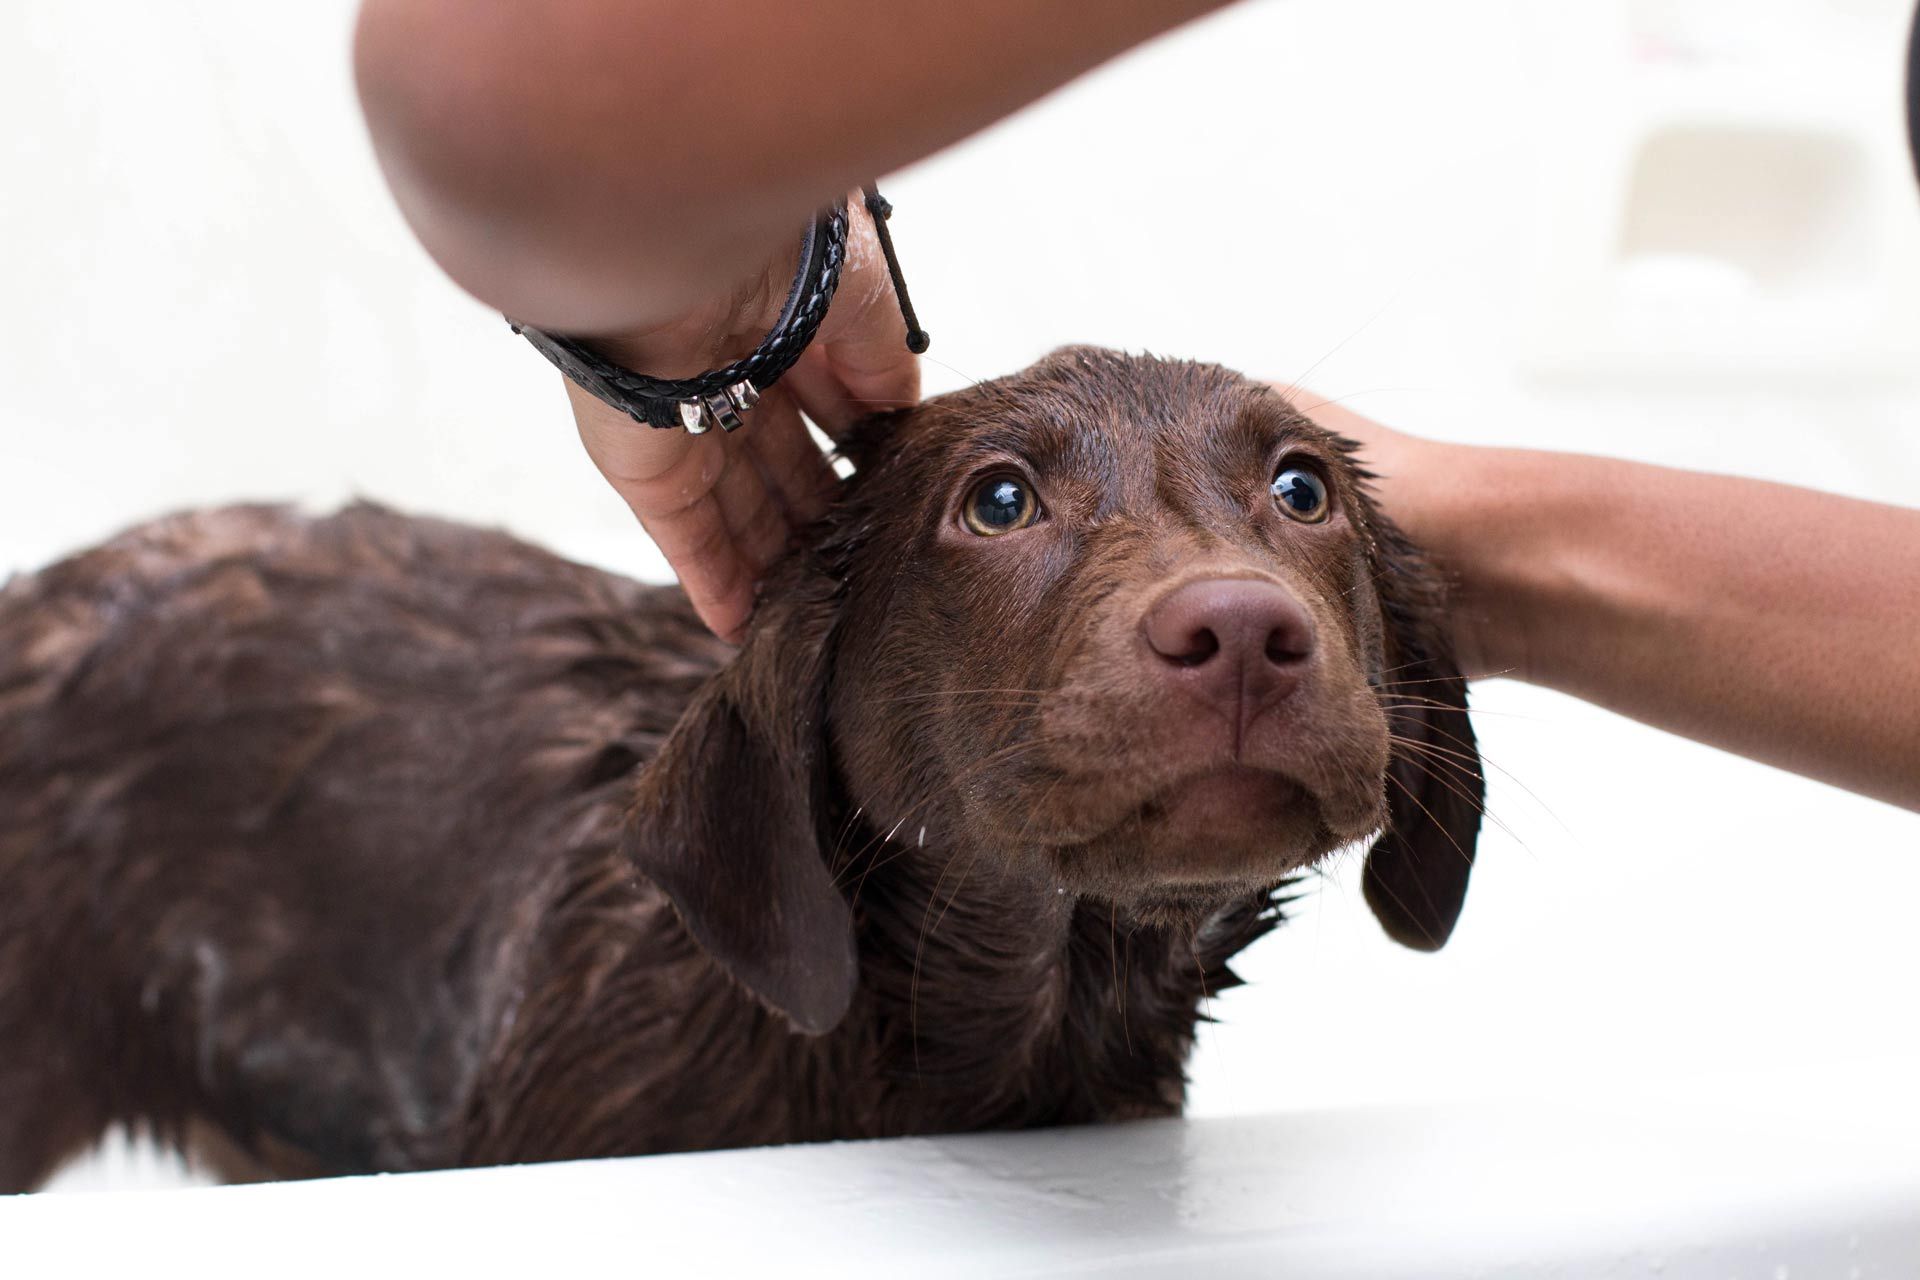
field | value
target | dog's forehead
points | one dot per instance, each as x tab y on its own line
1138	429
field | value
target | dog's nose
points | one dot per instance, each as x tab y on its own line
1237	642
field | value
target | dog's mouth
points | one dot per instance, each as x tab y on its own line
1223	824
1218	828
1225	797
1151	791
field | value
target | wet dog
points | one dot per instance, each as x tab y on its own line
370	843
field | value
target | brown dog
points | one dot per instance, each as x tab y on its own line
376	843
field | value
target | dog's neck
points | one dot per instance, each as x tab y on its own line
984	1002
1002	1002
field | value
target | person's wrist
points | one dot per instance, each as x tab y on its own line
719	331
723	328
1503	528
1442	497
1432	491
1466	495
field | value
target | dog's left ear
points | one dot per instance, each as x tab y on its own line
1416	873
726	818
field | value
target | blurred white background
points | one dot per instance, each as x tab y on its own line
1685	233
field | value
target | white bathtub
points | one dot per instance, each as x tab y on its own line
1680	1189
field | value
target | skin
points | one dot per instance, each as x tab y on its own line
556	184
1768	620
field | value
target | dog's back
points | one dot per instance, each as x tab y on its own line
280	799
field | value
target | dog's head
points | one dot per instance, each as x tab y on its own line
1125	628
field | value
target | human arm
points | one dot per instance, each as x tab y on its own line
605	166
1776	622
639	171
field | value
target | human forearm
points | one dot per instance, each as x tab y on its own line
604	165
1772	621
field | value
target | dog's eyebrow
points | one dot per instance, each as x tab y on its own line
1035	439
1274	423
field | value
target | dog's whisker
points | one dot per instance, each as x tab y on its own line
1328	401
1400	684
1466	749
919	956
1410	704
1002	756
1119	988
1451	753
1470	754
1406	908
970	380
1446	774
935	695
1438	825
953	897
1293	387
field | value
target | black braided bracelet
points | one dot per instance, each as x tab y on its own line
719	397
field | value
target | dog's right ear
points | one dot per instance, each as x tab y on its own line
1416	873
726	816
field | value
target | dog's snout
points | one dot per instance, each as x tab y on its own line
1234	640
1229	621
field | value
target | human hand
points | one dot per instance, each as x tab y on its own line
722	505
1750	616
1421	485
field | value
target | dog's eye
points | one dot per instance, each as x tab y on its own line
1301	493
999	504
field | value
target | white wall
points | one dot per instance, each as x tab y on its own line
208	297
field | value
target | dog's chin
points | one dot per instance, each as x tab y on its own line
1207	837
